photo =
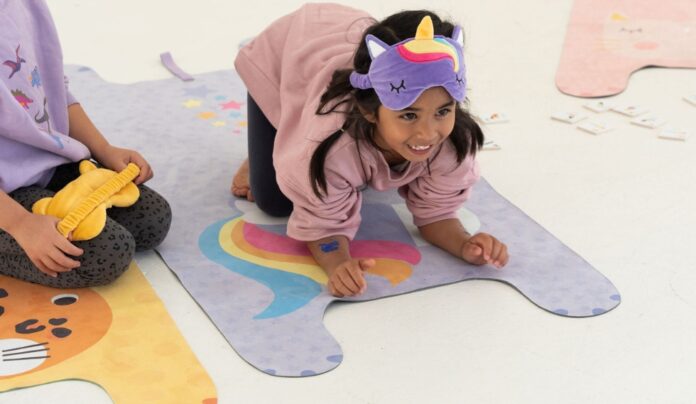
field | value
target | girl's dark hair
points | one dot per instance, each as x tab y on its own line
341	97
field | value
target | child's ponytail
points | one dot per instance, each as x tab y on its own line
316	165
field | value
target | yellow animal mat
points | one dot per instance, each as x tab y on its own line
118	336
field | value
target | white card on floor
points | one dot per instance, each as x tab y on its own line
599	106
673	134
629	109
648	121
490	145
494	117
594	127
568	117
691	99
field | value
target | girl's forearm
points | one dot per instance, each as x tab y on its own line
330	251
448	234
82	129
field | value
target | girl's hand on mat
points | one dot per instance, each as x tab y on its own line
347	279
116	158
482	248
45	246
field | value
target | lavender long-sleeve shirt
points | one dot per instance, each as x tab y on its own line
286	68
33	97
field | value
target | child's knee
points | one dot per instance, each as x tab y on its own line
275	207
156	225
106	257
105	270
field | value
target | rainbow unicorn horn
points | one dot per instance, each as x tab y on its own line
425	29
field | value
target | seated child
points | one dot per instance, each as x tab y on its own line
44	134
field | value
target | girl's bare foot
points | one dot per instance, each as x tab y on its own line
240	182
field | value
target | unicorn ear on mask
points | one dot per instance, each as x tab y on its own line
375	46
458	36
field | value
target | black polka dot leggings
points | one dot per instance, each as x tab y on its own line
139	227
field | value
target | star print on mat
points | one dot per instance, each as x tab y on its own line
192	103
206	115
200	91
231	105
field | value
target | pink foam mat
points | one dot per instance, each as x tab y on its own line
607	41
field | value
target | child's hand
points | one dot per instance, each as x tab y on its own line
116	158
347	279
482	248
45	246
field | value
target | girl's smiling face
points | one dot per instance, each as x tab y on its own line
413	133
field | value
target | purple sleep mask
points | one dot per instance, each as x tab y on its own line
400	73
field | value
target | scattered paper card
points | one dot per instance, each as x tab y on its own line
673	134
629	109
599	106
649	121
490	145
594	127
568	117
691	99
495	117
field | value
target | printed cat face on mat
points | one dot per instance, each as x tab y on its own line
118	336
70	321
638	38
606	41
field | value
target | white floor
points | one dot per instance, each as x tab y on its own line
623	200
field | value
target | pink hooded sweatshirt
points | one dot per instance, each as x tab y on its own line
286	69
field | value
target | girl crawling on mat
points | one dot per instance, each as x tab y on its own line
44	133
327	120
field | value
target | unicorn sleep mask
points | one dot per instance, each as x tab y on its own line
400	73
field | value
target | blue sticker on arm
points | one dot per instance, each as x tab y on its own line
329	247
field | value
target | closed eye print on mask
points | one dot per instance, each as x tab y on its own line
398	88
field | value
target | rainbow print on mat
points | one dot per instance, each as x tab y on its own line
287	267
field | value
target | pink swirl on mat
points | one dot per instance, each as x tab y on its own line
276	243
